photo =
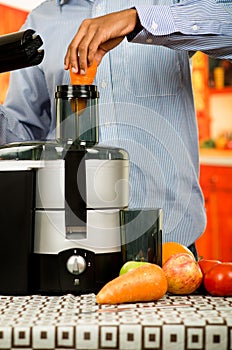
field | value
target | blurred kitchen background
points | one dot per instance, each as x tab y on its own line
212	83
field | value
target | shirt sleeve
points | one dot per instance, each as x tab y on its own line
191	25
26	106
26	111
2	126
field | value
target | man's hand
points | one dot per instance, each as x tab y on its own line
97	36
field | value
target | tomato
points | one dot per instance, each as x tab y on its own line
207	264
218	280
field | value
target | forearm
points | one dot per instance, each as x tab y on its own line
192	25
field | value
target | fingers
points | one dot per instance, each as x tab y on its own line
72	55
86	45
81	53
97	36
89	48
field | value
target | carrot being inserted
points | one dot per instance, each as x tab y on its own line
86	79
144	283
78	106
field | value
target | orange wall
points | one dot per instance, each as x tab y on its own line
11	20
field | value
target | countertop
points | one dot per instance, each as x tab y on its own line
77	322
216	157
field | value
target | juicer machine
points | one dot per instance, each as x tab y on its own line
64	219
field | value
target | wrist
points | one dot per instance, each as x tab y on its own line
137	27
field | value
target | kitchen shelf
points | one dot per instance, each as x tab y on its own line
225	90
205	91
215	181
214	157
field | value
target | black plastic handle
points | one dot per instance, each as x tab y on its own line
20	50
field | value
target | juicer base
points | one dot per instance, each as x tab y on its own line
53	276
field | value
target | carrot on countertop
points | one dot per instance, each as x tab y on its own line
144	283
86	79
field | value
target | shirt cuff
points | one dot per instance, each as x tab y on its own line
157	20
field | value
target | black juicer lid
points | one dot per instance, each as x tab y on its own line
76	91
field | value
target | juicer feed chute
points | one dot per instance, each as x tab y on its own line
77	115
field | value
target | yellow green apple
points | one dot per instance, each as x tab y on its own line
131	265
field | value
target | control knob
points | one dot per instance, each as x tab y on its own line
76	264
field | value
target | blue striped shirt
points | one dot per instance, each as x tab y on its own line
185	24
146	101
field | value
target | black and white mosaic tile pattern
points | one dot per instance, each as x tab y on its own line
77	322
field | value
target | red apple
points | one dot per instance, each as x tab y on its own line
207	264
183	274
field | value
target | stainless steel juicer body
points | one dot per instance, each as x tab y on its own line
77	245
66	226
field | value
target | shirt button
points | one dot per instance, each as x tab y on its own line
103	84
98	7
154	25
107	123
149	41
195	27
